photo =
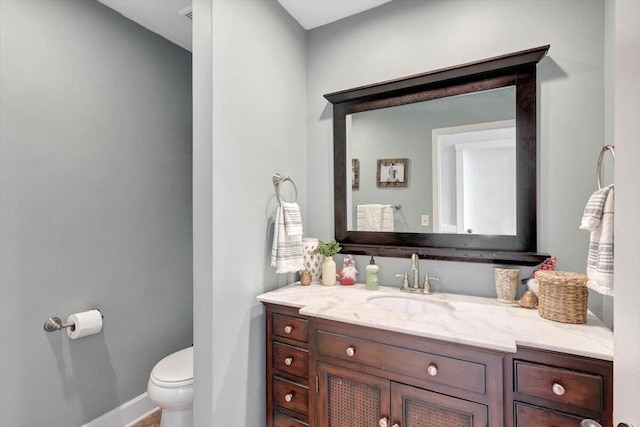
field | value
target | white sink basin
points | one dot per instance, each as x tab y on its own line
410	305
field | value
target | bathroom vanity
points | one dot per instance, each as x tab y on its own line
345	356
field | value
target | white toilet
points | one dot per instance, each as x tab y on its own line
171	388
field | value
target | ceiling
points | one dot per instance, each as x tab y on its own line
315	13
162	17
159	16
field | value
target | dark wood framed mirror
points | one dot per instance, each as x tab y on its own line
466	136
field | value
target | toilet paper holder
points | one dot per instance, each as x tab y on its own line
55	323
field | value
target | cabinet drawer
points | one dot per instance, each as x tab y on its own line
532	416
439	369
290	395
575	388
280	420
291	359
290	327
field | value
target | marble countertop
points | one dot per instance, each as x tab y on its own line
477	321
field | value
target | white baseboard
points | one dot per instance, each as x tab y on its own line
127	414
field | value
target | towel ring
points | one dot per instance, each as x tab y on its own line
279	179
606	148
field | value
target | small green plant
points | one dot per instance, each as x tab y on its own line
328	249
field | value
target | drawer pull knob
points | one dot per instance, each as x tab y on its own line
557	389
350	352
288	361
395	425
288	329
383	422
432	370
288	397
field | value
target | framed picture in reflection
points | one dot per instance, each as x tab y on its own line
393	173
355	174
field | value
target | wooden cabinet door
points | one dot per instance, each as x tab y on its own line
348	398
415	407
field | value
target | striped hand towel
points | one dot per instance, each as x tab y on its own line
598	219
286	252
292	219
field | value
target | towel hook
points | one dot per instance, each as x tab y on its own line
279	179
607	147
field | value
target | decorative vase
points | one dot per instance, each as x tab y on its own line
312	260
328	271
506	284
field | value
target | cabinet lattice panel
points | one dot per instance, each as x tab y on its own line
352	404
421	414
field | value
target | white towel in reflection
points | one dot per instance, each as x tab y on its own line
387	218
598	219
374	217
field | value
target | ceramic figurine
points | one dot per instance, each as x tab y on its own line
532	284
348	272
305	278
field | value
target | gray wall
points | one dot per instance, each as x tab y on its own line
408	37
249	121
95	207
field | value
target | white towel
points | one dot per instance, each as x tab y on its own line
374	217
368	217
292	218
387	218
598	219
286	252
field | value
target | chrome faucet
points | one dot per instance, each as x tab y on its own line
415	267
416	288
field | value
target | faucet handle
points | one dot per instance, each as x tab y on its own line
427	278
427	283
405	282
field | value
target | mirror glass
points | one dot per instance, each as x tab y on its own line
445	165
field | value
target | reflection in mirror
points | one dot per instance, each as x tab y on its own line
462	170
474	177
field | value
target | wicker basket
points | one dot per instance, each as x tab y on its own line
562	296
